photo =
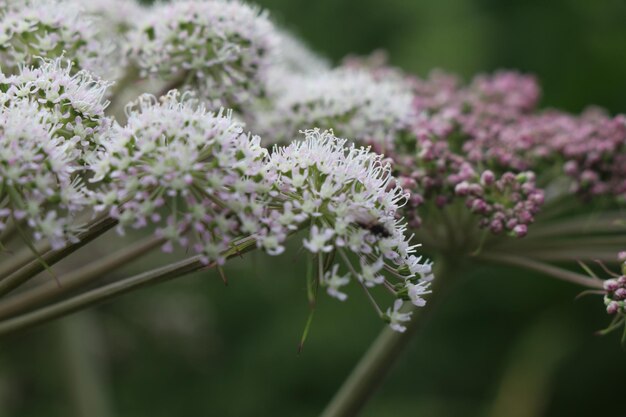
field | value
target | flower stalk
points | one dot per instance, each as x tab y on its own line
50	289
370	372
52	256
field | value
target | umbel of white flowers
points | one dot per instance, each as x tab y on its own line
181	168
192	176
353	102
35	29
219	49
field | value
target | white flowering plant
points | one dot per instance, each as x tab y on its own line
201	128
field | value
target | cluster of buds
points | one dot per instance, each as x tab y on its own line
219	49
486	141
443	160
615	290
615	297
590	148
508	203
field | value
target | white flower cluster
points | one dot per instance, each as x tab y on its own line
195	173
348	196
37	182
353	102
34	29
174	154
194	176
221	49
51	120
75	102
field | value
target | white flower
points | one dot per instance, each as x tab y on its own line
396	318
416	291
318	241
370	273
333	282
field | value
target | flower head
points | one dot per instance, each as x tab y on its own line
348	196
32	29
220	49
181	168
75	101
352	102
37	174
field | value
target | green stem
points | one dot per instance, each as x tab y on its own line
50	289
98	295
123	286
607	255
51	257
8	232
577	225
80	342
549	270
21	258
585	241
371	370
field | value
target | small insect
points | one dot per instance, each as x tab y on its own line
375	228
368	221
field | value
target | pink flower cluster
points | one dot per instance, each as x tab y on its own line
484	142
615	297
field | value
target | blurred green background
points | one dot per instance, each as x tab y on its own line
504	342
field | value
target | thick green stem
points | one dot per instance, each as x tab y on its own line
80	343
49	289
51	257
371	370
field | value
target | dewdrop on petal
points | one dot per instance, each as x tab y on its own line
178	168
37	175
220	49
35	29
